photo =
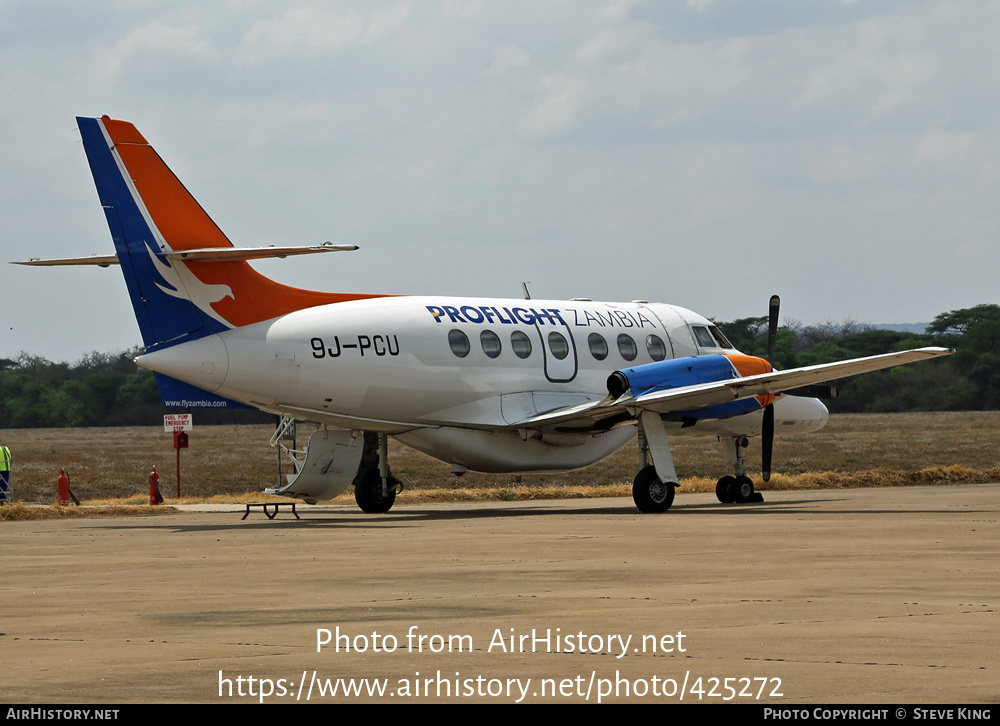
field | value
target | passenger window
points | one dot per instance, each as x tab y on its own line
655	347
459	343
520	344
558	345
598	346
704	338
490	342
626	346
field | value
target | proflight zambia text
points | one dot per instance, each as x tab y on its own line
613	317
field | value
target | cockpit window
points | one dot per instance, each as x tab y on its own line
710	337
704	338
717	334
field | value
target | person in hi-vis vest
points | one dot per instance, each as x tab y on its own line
4	473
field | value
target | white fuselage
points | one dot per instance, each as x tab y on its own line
453	376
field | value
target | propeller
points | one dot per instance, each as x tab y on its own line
767	432
821	390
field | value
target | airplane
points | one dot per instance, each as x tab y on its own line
491	385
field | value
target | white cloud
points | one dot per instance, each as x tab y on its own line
183	41
318	27
509	57
520	140
701	6
559	108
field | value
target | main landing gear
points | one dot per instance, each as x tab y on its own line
650	494
738	488
372	494
375	487
654	486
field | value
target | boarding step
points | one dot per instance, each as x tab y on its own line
266	506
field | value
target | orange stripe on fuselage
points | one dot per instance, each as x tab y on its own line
749	365
185	225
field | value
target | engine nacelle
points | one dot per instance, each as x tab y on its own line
676	373
683	372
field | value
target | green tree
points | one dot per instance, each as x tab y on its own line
978	357
949	328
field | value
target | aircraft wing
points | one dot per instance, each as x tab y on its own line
225	254
690	398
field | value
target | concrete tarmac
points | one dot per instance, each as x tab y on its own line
846	596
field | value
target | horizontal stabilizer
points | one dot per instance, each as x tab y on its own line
100	261
206	254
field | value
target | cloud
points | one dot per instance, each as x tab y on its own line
317	27
467	146
558	109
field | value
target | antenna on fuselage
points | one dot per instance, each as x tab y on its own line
527	295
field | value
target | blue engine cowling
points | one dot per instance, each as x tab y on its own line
679	373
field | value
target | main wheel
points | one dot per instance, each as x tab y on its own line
723	490
650	494
742	489
368	492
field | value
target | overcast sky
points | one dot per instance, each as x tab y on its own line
708	153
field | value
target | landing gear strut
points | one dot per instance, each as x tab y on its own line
375	487
654	485
738	488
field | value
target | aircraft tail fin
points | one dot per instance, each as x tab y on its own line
152	215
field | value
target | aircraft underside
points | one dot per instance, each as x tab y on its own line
336	459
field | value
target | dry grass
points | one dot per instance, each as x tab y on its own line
109	466
19	511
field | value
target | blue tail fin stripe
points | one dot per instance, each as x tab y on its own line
164	319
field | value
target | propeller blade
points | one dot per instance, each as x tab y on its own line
767	432
767	442
772	326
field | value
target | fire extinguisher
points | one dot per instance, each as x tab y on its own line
63	488
154	488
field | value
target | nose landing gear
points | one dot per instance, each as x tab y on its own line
737	489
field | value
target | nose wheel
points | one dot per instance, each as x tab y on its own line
737	489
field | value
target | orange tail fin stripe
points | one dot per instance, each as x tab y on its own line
185	225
